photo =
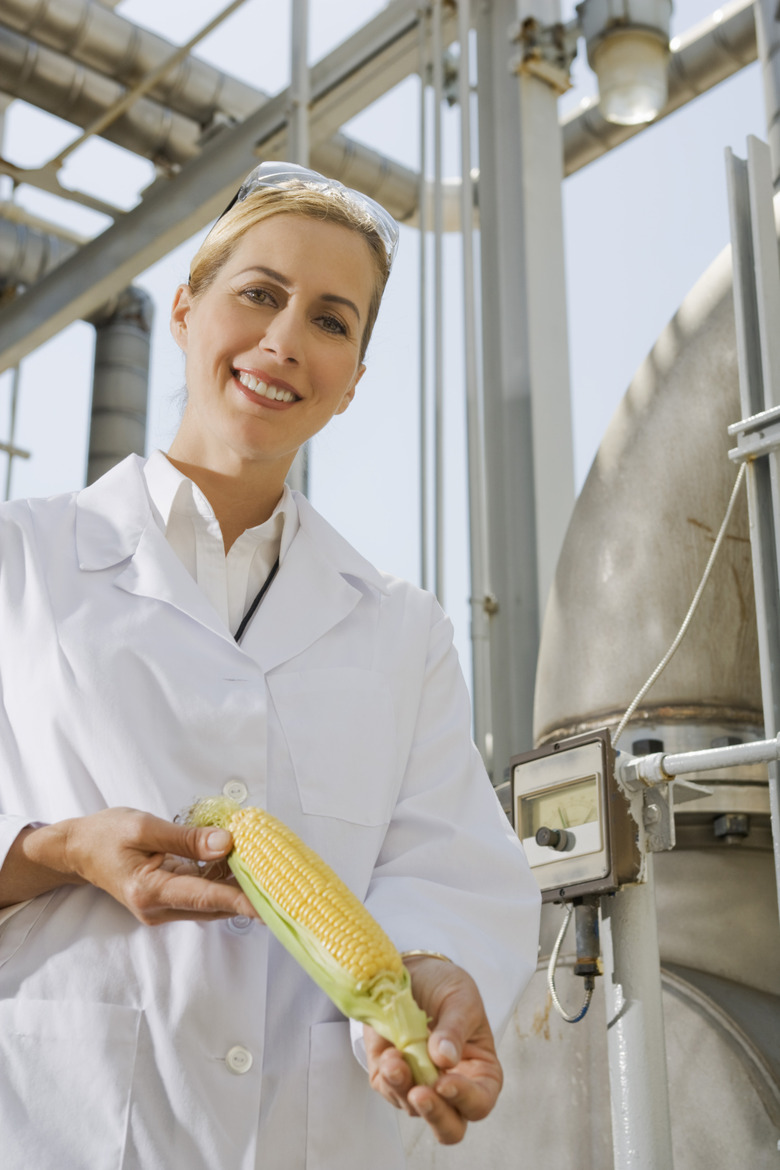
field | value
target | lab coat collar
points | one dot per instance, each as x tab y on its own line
317	586
111	515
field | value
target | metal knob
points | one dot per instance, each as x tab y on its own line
554	838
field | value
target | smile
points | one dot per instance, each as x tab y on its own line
264	389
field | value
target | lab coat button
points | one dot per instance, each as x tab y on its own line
239	1059
236	790
240	923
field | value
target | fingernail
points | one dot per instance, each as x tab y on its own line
425	1107
395	1076
448	1051
448	1090
218	841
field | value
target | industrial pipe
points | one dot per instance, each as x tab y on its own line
198	95
120	387
26	254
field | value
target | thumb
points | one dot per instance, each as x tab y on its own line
460	1015
210	844
199	844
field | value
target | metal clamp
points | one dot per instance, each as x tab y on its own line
547	51
646	776
757	435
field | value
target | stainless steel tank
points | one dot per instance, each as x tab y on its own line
640	536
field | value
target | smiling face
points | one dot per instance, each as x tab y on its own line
272	344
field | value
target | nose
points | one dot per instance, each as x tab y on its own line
283	337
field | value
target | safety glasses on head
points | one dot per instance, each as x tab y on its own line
284	175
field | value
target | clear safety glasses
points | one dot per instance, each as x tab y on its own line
282	174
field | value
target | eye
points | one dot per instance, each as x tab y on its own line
332	325
259	296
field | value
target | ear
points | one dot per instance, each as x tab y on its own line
182	303
349	394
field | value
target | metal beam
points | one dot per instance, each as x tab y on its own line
527	410
379	55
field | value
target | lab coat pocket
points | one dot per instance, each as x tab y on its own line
339	725
66	1069
349	1126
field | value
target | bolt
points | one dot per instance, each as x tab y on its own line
652	814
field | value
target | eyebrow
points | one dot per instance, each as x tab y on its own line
284	281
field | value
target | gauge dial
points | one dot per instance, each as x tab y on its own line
562	807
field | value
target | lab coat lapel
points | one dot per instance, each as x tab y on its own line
313	591
155	571
115	523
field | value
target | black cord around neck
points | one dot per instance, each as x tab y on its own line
250	613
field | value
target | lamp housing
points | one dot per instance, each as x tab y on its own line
627	43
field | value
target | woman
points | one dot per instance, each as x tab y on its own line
138	673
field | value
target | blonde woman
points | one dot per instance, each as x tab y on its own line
187	625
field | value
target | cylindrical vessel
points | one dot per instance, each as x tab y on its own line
120	385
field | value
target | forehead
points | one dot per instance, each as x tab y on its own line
310	252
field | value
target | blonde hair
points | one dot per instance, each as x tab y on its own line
290	199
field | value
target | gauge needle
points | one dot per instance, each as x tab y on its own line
564	819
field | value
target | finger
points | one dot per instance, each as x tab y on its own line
448	1125
473	1099
159	895
388	1072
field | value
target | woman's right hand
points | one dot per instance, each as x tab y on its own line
135	857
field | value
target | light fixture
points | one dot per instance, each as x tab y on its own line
628	49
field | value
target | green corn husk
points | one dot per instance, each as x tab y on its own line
382	997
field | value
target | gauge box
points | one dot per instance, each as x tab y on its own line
575	823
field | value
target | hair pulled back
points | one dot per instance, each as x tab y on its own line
290	199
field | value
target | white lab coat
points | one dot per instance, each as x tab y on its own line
345	714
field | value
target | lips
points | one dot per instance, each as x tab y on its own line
271	391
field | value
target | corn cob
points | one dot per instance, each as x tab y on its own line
323	925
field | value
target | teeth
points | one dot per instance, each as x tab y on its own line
263	390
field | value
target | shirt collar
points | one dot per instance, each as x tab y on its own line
171	491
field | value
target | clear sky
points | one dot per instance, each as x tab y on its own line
641	224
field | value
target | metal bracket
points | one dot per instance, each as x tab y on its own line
547	51
660	792
756	436
658	819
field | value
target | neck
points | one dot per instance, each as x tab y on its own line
240	500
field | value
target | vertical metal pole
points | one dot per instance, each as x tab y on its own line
478	517
757	310
768	42
15	378
528	441
15	373
423	30
641	1127
300	86
437	53
298	150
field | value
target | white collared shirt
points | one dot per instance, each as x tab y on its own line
230	582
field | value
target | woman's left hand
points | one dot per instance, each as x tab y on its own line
461	1045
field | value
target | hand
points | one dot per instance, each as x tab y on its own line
137	859
460	1045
